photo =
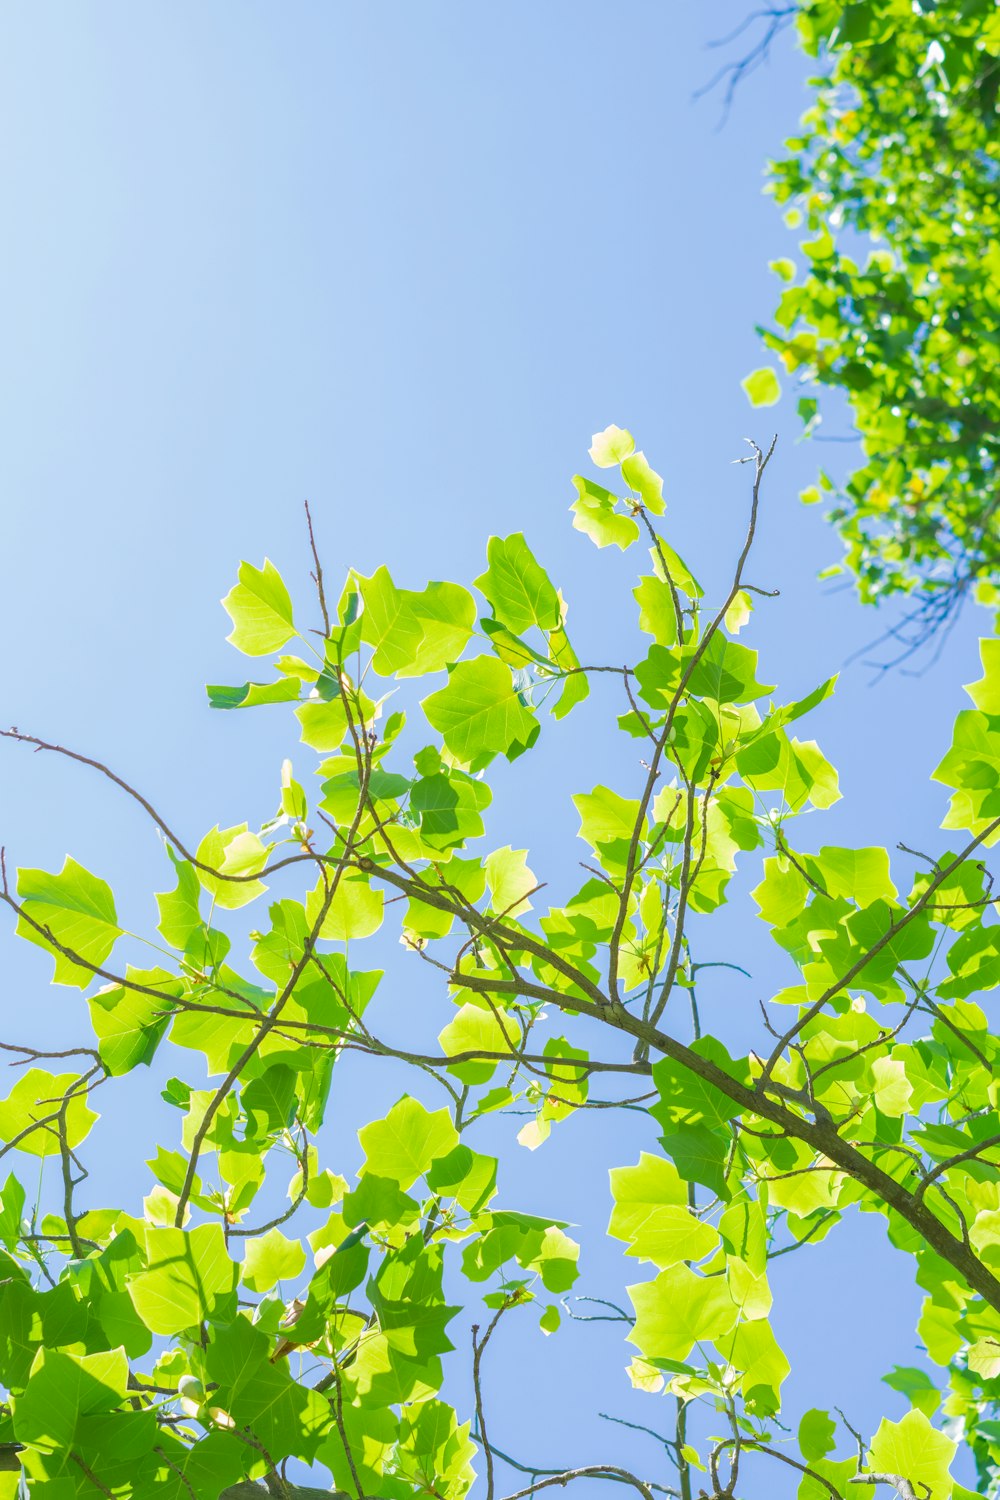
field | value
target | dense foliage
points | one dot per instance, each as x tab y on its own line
894	178
258	1317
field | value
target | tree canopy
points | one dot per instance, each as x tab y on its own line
259	1319
893	180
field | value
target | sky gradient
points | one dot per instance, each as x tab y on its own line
402	260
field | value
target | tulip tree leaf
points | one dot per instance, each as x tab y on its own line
260	609
518	587
72	911
188	1278
480	713
407	1141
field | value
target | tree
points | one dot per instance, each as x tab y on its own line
196	1348
893	178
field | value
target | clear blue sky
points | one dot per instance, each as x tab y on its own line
403	260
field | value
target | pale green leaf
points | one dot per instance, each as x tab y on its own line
73	910
189	1278
271	1258
260	609
407	1141
916	1450
594	514
480	713
762	387
611	446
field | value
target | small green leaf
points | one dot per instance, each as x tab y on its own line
271	1258
75	911
762	387
677	1310
253	694
403	1145
260	609
63	1389
652	1215
355	910
595	515
518	587
509	881
638	475
918	1387
32	1107
611	446
129	1023
816	1435
480	713
476	1030
916	1450
235	852
189	1278
738	612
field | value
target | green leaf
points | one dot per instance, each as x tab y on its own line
32	1107
518	587
762	387
260	1396
380	1203
64	1387
595	515
77	910
985	693
652	1215
657	615
638	475
550	1320
407	1141
816	1435
700	1155
253	694
678	1310
268	1101
687	1099
753	1350
738	612
180	917
726	672
917	1386
129	1024
467	1176
575	685
914	1449
447	616
260	609
476	1030
611	446
234	852
324	723
605	817
665	560
480	713
556	1260
509	881
189	1278
449	805
271	1258
860	874
414	633
354	911
12	1199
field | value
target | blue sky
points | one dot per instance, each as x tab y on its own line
403	260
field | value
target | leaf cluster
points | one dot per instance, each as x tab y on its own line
892	180
264	1311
